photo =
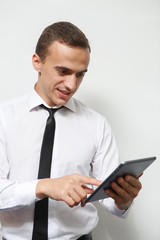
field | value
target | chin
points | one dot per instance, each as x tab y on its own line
60	102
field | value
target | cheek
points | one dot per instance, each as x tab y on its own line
79	83
48	84
50	80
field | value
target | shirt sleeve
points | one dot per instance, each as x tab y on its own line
105	161
109	204
13	194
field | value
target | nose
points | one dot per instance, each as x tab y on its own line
71	82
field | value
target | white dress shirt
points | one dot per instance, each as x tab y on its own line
83	144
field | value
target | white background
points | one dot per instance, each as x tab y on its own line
123	84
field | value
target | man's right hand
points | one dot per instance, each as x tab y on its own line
70	189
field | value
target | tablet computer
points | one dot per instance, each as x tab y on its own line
134	168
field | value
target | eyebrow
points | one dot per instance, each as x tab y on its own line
68	69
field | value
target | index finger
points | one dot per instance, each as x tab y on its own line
90	180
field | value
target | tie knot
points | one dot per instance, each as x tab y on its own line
50	110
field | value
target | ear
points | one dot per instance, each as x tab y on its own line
36	61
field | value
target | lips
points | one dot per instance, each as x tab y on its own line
63	93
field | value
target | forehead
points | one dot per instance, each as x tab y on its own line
60	52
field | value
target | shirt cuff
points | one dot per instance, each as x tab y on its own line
109	204
25	193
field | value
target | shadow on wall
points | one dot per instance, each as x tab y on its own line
112	227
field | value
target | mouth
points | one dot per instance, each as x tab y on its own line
64	94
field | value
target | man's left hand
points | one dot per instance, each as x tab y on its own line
125	190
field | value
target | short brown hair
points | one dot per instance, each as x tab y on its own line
63	32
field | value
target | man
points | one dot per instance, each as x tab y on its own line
83	146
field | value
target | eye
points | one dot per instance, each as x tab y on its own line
80	75
62	71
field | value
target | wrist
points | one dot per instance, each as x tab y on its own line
124	206
41	188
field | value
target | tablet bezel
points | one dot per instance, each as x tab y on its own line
132	167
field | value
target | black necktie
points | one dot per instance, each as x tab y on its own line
40	227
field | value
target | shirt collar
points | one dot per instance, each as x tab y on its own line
35	101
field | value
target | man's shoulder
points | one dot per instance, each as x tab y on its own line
94	120
87	110
13	102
